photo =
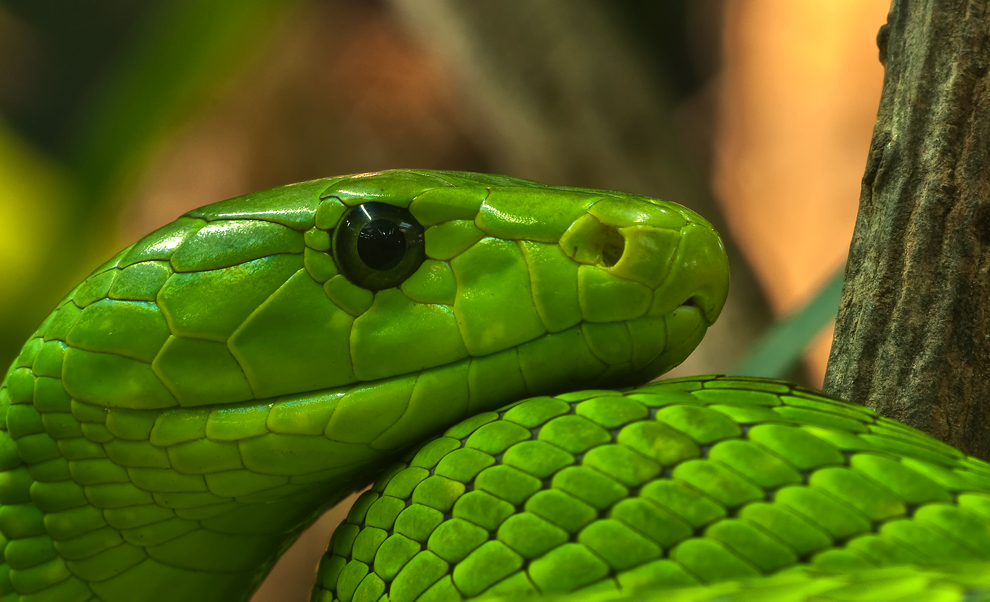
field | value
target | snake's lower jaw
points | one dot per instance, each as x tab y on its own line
683	329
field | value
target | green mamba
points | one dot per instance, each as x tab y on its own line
201	398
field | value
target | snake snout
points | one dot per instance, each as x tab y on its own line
697	274
666	247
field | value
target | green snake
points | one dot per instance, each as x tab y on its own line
202	397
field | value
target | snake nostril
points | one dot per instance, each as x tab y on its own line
613	245
591	242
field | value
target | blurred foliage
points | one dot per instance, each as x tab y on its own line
122	75
32	194
69	48
780	349
681	38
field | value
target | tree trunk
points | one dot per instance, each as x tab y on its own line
912	337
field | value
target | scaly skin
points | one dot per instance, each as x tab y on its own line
194	404
644	493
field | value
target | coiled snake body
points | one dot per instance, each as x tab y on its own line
202	397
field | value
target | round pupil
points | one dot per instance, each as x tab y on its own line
381	244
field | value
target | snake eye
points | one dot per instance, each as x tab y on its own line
378	245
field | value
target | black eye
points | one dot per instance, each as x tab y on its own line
381	244
378	245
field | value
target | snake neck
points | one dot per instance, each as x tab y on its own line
85	528
170	504
197	503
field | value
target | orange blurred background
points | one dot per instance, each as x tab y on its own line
800	89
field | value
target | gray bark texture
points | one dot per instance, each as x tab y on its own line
912	337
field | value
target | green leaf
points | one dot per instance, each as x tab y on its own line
782	346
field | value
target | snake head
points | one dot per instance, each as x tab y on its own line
580	286
377	294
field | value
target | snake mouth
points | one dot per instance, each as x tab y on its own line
697	303
708	309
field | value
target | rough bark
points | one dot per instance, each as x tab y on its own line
562	97
912	338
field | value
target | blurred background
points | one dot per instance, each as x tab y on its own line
118	116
